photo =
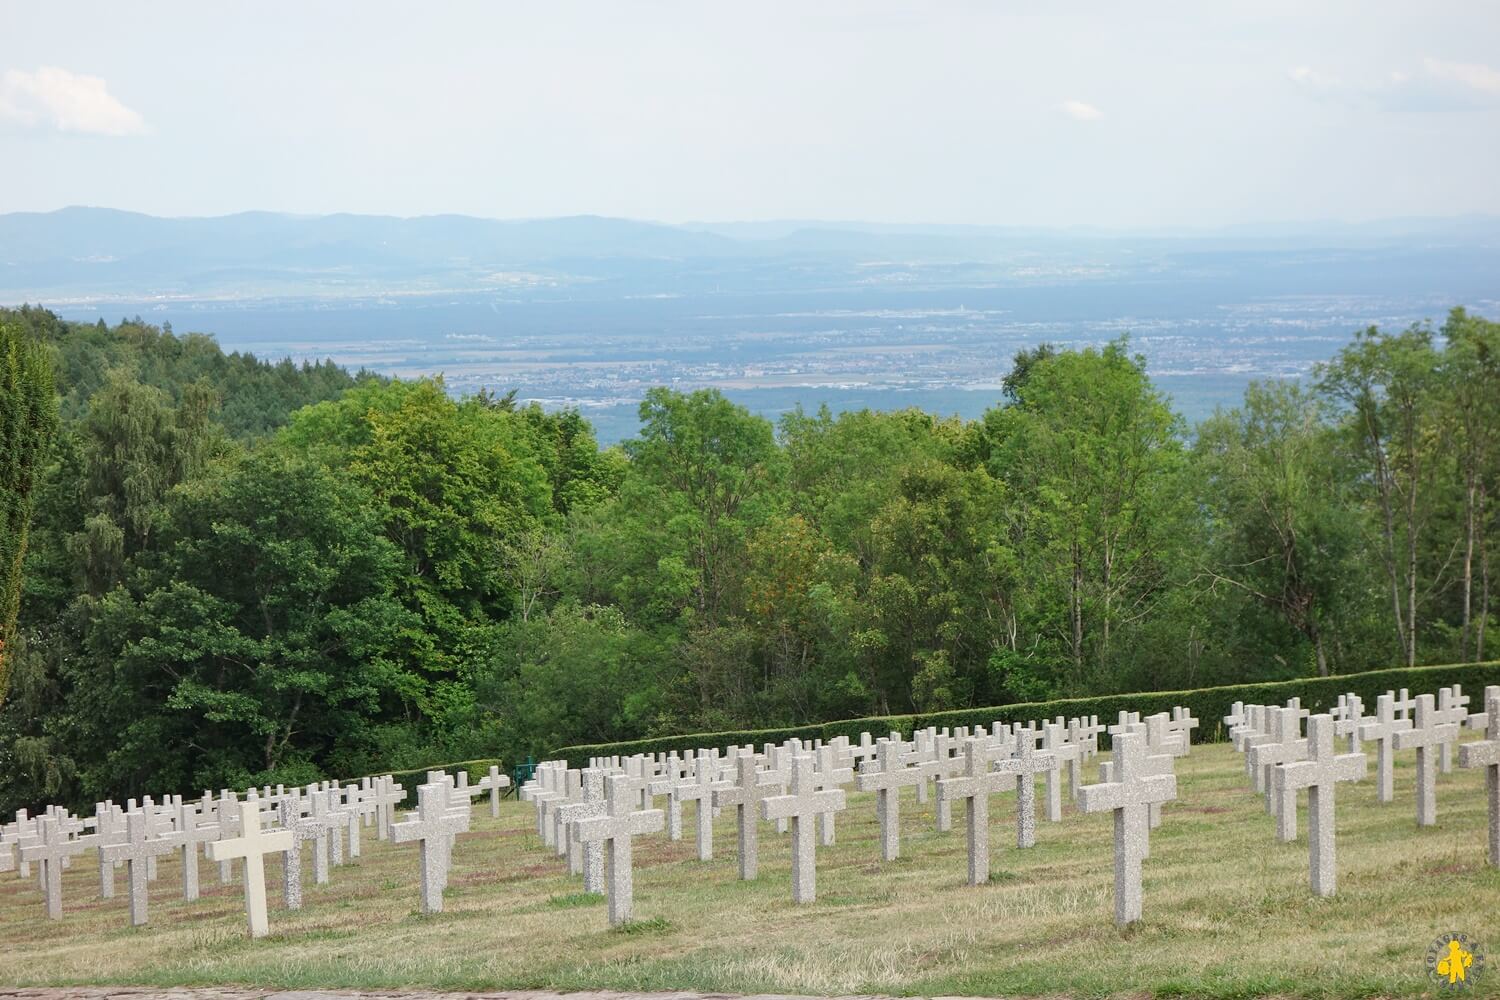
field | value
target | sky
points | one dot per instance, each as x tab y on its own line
1105	114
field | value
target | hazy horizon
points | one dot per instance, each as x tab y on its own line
963	113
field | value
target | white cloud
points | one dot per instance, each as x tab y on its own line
1437	86
1471	75
67	102
1080	111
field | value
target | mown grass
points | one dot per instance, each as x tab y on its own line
1227	911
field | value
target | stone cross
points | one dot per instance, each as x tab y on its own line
1253	735
24	830
975	786
329	811
1426	735
700	789
303	829
252	844
136	849
49	852
1088	735
109	827
1128	796
800	805
435	827
667	785
919	754
493	783
1182	724
614	831
1404	705
587	859
1486	754
886	776
1319	773
1152	764
1452	706
1382	729
322	824
1286	746
940	763
745	793
227	817
1025	764
1480	721
1348	718
388	797
192	832
354	809
829	775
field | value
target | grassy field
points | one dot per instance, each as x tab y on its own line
1227	911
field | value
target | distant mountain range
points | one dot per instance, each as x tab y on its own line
97	254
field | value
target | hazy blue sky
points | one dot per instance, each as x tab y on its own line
1116	114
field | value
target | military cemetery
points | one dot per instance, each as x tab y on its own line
851	500
585	830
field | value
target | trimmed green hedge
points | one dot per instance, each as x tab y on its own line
1208	705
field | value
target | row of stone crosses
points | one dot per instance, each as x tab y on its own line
590	816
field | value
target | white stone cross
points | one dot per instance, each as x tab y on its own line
55	845
435	826
615	830
1025	764
587	859
745	793
136	850
1152	764
800	805
354	809
109	827
1452	706
1182	724
1319	774
700	789
941	763
886	776
388	798
1426	735
1348	717
193	832
1480	721
667	785
303	829
1382	729
1486	754
328	809
493	783
830	774
227	818
1162	740
252	845
1128	796
975	786
1287	745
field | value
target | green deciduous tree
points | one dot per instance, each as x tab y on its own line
28	418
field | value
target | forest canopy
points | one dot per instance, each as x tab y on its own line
241	571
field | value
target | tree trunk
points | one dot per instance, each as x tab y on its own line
1468	583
